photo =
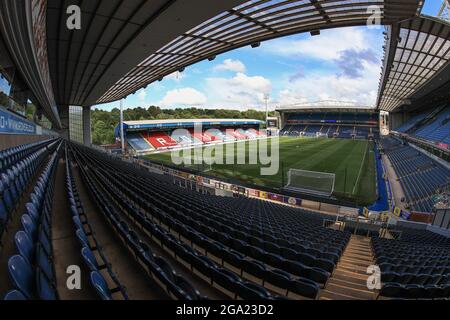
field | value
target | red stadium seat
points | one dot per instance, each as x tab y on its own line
236	134
204	137
161	140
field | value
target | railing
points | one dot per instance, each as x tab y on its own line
334	224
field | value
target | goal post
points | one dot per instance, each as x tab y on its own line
313	182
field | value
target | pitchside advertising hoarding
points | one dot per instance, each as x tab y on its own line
12	124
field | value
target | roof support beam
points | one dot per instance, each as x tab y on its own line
250	19
322	12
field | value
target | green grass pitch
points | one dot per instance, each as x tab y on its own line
339	156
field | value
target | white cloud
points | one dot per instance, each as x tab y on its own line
241	91
183	97
354	52
142	95
326	46
289	96
230	65
318	87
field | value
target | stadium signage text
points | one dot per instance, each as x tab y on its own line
12	124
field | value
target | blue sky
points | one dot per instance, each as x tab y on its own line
340	64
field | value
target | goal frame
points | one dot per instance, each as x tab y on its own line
312	190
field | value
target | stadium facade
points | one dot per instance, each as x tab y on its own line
138	232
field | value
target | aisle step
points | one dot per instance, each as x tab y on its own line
356	262
350	282
349	279
350	291
328	295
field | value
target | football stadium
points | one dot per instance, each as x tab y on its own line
323	195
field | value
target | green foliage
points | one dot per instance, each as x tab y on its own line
104	122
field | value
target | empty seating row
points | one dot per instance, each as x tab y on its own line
178	216
158	268
11	156
90	249
15	179
420	176
417	266
242	288
32	270
438	128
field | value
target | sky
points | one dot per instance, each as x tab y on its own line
340	64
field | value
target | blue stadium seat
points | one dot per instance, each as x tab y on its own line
22	275
15	295
99	283
25	246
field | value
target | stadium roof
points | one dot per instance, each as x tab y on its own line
129	44
124	45
326	106
187	122
324	110
417	61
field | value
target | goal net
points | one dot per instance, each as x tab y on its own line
320	183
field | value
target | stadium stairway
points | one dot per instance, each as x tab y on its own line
349	279
65	244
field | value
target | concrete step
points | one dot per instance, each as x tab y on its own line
358	257
362	263
328	295
349	277
351	292
359	243
349	280
352	268
359	252
351	284
351	274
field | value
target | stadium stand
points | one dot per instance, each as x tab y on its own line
417	266
204	136
156	267
420	176
160	140
433	126
138	142
297	247
437	129
238	246
31	270
89	243
143	137
345	125
18	166
411	123
184	138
